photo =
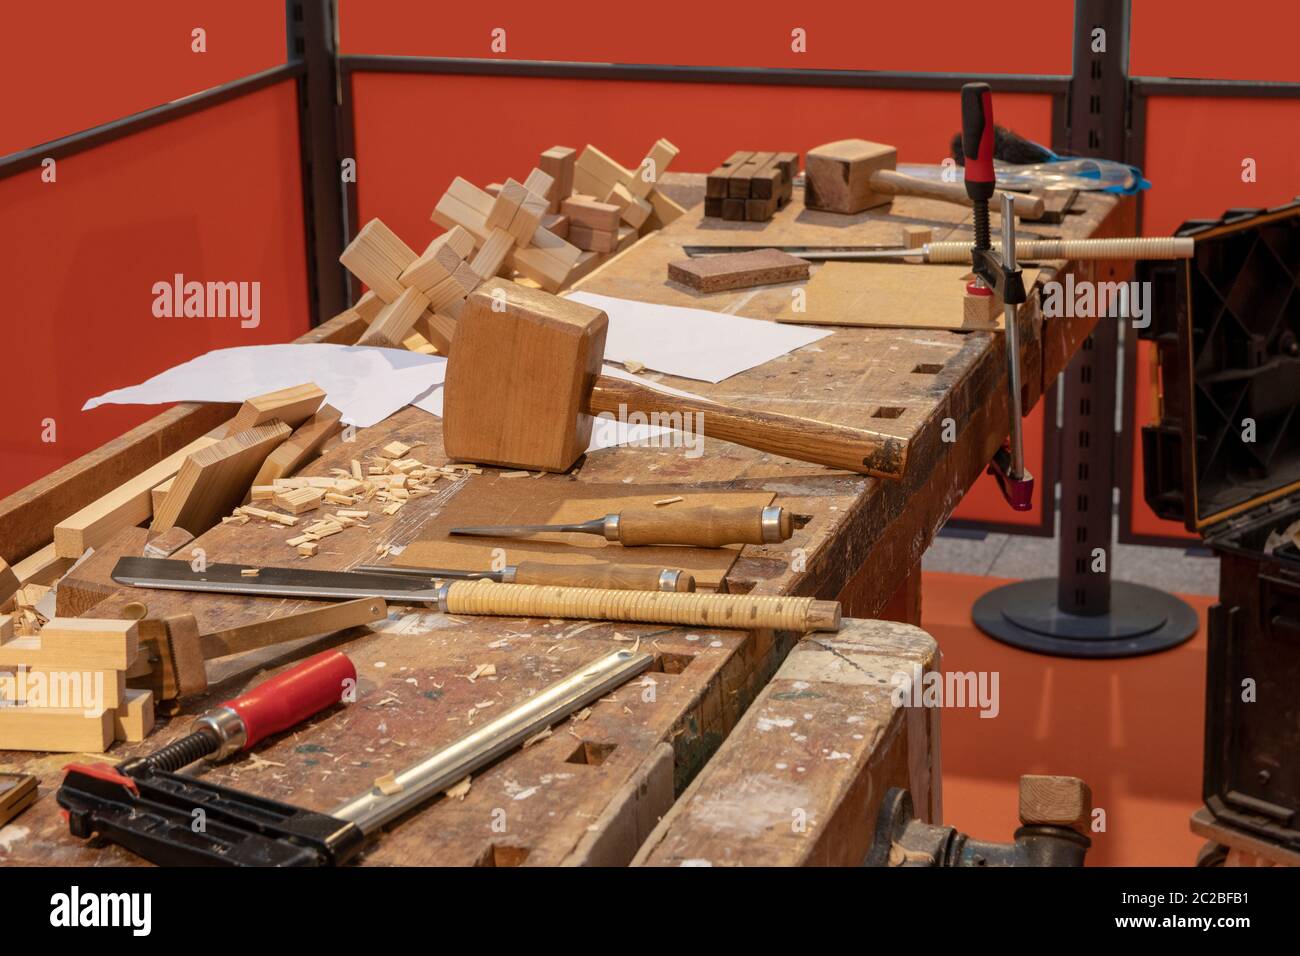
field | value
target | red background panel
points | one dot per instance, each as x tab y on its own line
935	37
213	196
984	501
502	124
1210	39
1194	153
88	62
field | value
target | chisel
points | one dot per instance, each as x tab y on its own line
704	527
394	584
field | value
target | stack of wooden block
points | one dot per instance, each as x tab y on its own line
64	690
750	186
634	191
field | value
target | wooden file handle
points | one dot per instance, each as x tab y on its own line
1031	250
837	446
901	184
742	611
706	527
623	577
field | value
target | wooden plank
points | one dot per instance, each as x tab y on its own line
800	779
293	406
303	445
123	507
56	729
213	480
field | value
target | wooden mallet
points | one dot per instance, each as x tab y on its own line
523	382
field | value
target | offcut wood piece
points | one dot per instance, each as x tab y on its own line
547	260
159	494
596	174
750	186
106	686
17	793
293	406
557	162
395	320
1048	799
76	642
43	567
823	742
297	501
134	721
549	351
892	295
548	502
9	582
739	270
914	237
980	311
589	212
596	240
55	729
166	544
301	447
127	505
378	258
91	581
214	479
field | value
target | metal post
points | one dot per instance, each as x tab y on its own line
310	30
1082	612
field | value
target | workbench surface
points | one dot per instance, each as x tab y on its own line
592	791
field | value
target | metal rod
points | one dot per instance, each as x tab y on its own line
373	809
1013	345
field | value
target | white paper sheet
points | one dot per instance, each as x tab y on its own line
365	384
692	343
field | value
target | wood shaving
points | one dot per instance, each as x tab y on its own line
668	501
513	474
483	670
459	791
388	785
537	738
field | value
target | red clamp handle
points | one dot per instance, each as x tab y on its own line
977	139
290	698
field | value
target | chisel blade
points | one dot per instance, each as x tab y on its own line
270	582
596	526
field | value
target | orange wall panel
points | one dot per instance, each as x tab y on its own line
495	127
1209	39
214	196
984	501
874	36
83	63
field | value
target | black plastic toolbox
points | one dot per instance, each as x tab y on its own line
1224	458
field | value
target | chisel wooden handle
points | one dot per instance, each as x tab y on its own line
837	446
1141	247
623	577
901	184
706	527
743	611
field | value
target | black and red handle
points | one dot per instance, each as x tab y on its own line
977	139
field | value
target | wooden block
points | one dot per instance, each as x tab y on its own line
9	582
556	224
43	567
127	505
92	643
369	306
656	163
535	339
1051	800
488	261
766	183
597	240
979	310
626	236
587	212
293	406
378	258
438	262
760	210
299	500
438	329
308	549
662	211
633	210
73	688
715	186
733	209
539	183
459	239
164	545
134	721
91	581
159	493
788	163
558	163
395	320
838	175
213	480
741	270
914	237
713	207
505	205
493	189
738	183
595	174
301	447
528	217
55	729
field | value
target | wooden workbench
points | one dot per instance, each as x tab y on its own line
593	790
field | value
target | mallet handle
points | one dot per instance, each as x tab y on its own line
742	611
837	446
901	184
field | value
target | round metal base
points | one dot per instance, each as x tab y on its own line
1142	620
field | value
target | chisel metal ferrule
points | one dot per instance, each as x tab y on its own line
609	527
443	591
770	522
668	579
